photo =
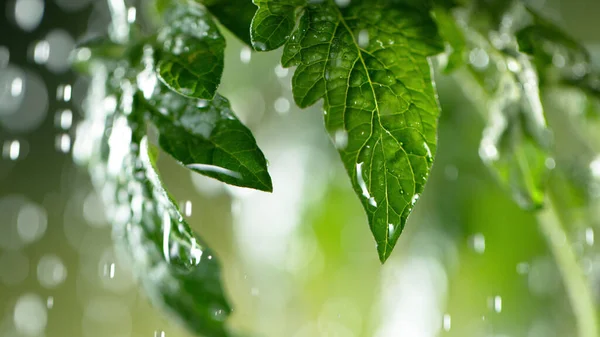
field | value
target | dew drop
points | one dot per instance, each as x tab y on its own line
340	139
363	38
414	199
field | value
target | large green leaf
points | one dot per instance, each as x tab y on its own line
368	61
207	137
191	52
273	23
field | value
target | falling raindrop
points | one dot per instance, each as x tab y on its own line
280	71
187	208
64	119
24	100
477	243
245	54
109	270
363	38
60	45
41	52
29	13
589	236
63	143
50	302
159	333
131	14
282	105
51	271
447	322
11	149
32	222
496	303
63	92
30	315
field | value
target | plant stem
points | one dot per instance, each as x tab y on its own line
576	284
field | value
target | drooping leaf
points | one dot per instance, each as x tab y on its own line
207	137
273	23
191	55
177	271
235	15
368	61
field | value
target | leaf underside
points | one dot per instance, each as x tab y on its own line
368	62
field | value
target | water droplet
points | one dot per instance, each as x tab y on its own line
131	14
589	236
280	71
342	3
550	163
246	54
30	315
477	243
391	230
363	185
479	58
41	52
414	199
63	92
51	271
340	139
496	303
595	167
363	38
282	105
187	208
11	149
159	334
29	13
513	65
63	143
488	150
32	222
447	322
60	46
50	302
109	270
64	119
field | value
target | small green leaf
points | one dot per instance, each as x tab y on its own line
273	23
191	55
207	137
369	62
235	15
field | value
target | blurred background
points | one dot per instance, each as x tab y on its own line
300	262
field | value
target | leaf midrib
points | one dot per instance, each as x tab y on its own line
376	113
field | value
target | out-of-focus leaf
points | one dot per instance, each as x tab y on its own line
235	15
177	271
191	55
368	61
453	35
515	142
207	137
273	23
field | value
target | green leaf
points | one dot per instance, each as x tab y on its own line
516	141
273	23
177	271
207	137
235	15
191	55
453	35
368	61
